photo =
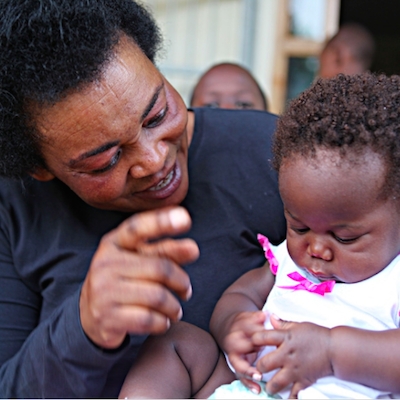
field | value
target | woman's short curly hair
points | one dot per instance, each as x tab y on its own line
50	47
348	113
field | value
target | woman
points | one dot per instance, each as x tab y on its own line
228	85
101	151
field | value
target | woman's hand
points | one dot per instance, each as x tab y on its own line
129	285
302	355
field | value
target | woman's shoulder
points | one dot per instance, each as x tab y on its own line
30	191
243	123
229	116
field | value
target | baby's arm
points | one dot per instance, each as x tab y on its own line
307	352
237	317
246	294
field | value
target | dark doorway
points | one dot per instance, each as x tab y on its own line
382	19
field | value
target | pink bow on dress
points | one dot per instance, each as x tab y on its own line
303	283
269	255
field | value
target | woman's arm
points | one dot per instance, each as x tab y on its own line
50	359
127	290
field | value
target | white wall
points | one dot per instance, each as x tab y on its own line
199	33
259	34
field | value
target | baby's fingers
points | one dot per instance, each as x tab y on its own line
270	361
241	364
296	389
252	383
268	337
279	382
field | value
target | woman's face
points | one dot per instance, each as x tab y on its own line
120	143
227	86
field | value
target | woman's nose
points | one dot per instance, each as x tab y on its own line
149	157
320	249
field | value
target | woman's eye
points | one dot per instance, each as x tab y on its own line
155	121
243	105
211	105
113	162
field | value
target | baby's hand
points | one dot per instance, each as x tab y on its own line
302	354
240	348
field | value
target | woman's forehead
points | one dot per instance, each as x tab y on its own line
128	72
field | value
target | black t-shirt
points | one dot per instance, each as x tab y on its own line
48	236
233	196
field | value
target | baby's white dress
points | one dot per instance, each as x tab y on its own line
372	304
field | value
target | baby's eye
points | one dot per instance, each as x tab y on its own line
345	241
300	230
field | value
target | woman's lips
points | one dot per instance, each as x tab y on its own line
166	187
165	182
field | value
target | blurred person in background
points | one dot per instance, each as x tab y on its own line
349	52
228	85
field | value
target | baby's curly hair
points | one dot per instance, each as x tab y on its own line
347	113
47	49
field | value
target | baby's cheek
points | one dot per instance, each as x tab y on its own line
297	251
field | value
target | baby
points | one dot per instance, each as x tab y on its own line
326	326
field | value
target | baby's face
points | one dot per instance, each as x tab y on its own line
339	228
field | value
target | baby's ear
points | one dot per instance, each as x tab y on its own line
42	174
